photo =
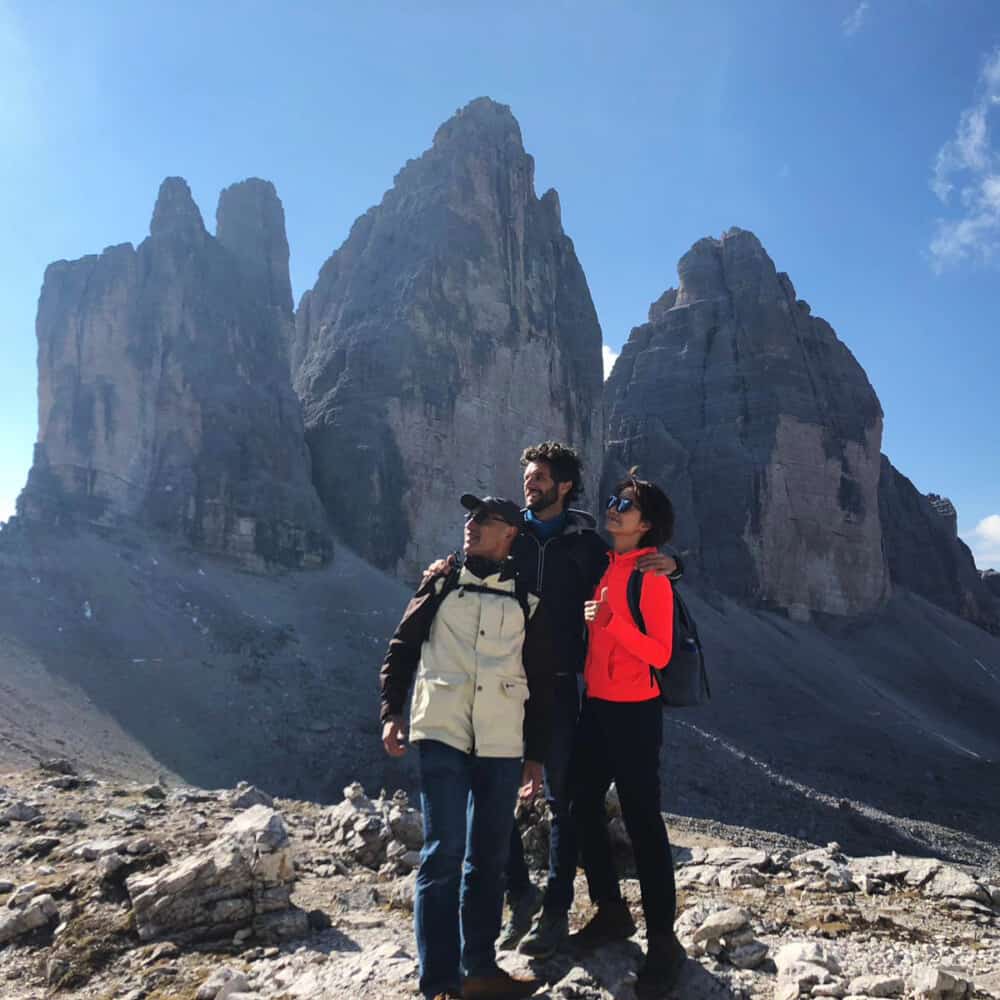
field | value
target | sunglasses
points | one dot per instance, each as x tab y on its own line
620	504
483	516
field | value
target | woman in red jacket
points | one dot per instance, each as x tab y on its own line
620	734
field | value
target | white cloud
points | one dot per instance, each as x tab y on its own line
985	542
854	21
609	357
968	167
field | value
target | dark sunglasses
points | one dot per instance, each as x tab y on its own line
483	516
620	504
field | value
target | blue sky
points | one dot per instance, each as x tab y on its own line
857	138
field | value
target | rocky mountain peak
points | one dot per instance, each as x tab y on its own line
175	212
736	263
250	222
481	122
453	328
164	394
764	426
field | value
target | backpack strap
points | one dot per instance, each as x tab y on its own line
519	594
633	593
447	584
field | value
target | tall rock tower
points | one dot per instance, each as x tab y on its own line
164	395
452	328
762	427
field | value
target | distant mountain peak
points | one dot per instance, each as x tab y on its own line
175	212
482	120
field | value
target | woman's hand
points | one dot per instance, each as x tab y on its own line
394	736
599	611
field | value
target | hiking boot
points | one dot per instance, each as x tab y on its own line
499	985
665	958
611	922
547	934
522	909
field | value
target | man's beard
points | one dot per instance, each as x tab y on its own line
545	499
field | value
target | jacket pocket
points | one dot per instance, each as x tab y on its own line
440	703
500	716
515	687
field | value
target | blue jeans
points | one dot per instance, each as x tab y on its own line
563	844
467	802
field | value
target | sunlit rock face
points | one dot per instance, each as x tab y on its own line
452	328
164	394
762	427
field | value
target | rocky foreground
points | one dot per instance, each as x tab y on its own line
150	892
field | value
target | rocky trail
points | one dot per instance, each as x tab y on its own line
149	892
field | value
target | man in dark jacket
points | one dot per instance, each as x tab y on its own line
560	556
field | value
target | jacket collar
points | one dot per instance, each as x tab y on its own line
479	571
577	522
630	558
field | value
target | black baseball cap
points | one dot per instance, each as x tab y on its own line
506	509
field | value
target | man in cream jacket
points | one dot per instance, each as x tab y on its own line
479	650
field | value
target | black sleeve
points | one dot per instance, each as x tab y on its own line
539	668
403	655
679	572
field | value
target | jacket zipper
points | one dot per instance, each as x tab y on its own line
540	572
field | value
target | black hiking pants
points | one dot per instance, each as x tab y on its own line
620	742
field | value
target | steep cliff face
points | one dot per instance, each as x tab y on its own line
163	392
452	328
926	555
763	428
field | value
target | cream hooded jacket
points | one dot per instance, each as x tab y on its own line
482	675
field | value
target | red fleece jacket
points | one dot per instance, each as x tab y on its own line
619	655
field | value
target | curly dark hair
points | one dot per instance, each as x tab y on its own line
654	505
563	462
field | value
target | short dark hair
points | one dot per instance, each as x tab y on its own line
563	462
654	505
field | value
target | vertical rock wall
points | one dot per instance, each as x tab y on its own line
763	428
164	394
925	554
451	329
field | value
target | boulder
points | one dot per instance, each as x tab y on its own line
877	986
242	880
952	883
31	914
244	796
222	984
721	923
932	983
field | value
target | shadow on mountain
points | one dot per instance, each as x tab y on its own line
132	656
